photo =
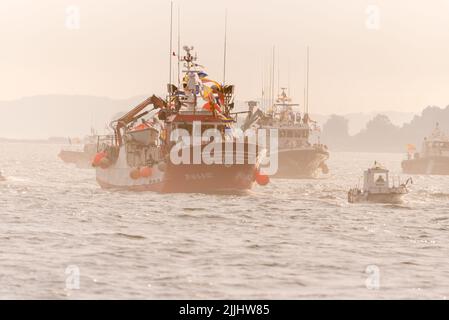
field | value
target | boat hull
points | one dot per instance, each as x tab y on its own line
209	178
80	158
183	179
389	198
427	166
300	163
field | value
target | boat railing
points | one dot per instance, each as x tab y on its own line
104	141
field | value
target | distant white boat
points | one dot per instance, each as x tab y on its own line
433	158
376	188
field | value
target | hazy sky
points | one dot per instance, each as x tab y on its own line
121	48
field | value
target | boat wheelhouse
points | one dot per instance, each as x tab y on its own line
433	158
377	187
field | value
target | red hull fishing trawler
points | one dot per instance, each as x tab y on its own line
183	144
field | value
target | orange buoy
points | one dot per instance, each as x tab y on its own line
97	159
135	174
262	179
146	172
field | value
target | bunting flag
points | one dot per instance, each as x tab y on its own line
207	93
207	80
202	74
212	106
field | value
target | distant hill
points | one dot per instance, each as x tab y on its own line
381	134
358	121
41	117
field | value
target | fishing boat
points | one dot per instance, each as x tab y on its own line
298	157
433	158
166	145
80	153
376	187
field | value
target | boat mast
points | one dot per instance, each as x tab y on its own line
269	85
225	46
262	104
171	52
272	77
307	81
279	70
304	99
179	46
288	78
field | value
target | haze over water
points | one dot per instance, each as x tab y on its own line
291	239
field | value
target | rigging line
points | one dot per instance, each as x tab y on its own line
171	49
179	46
225	47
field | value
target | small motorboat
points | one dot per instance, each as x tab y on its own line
376	187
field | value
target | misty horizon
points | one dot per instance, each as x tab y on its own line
96	112
362	64
219	151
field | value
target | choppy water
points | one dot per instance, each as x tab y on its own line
292	239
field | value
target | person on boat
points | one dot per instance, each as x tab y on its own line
291	117
380	180
305	119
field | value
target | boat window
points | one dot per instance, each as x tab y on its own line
380	178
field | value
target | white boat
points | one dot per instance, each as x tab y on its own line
376	187
298	157
80	154
433	158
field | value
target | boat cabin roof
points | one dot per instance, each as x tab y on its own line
377	170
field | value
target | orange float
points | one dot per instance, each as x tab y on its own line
146	172
97	159
262	179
